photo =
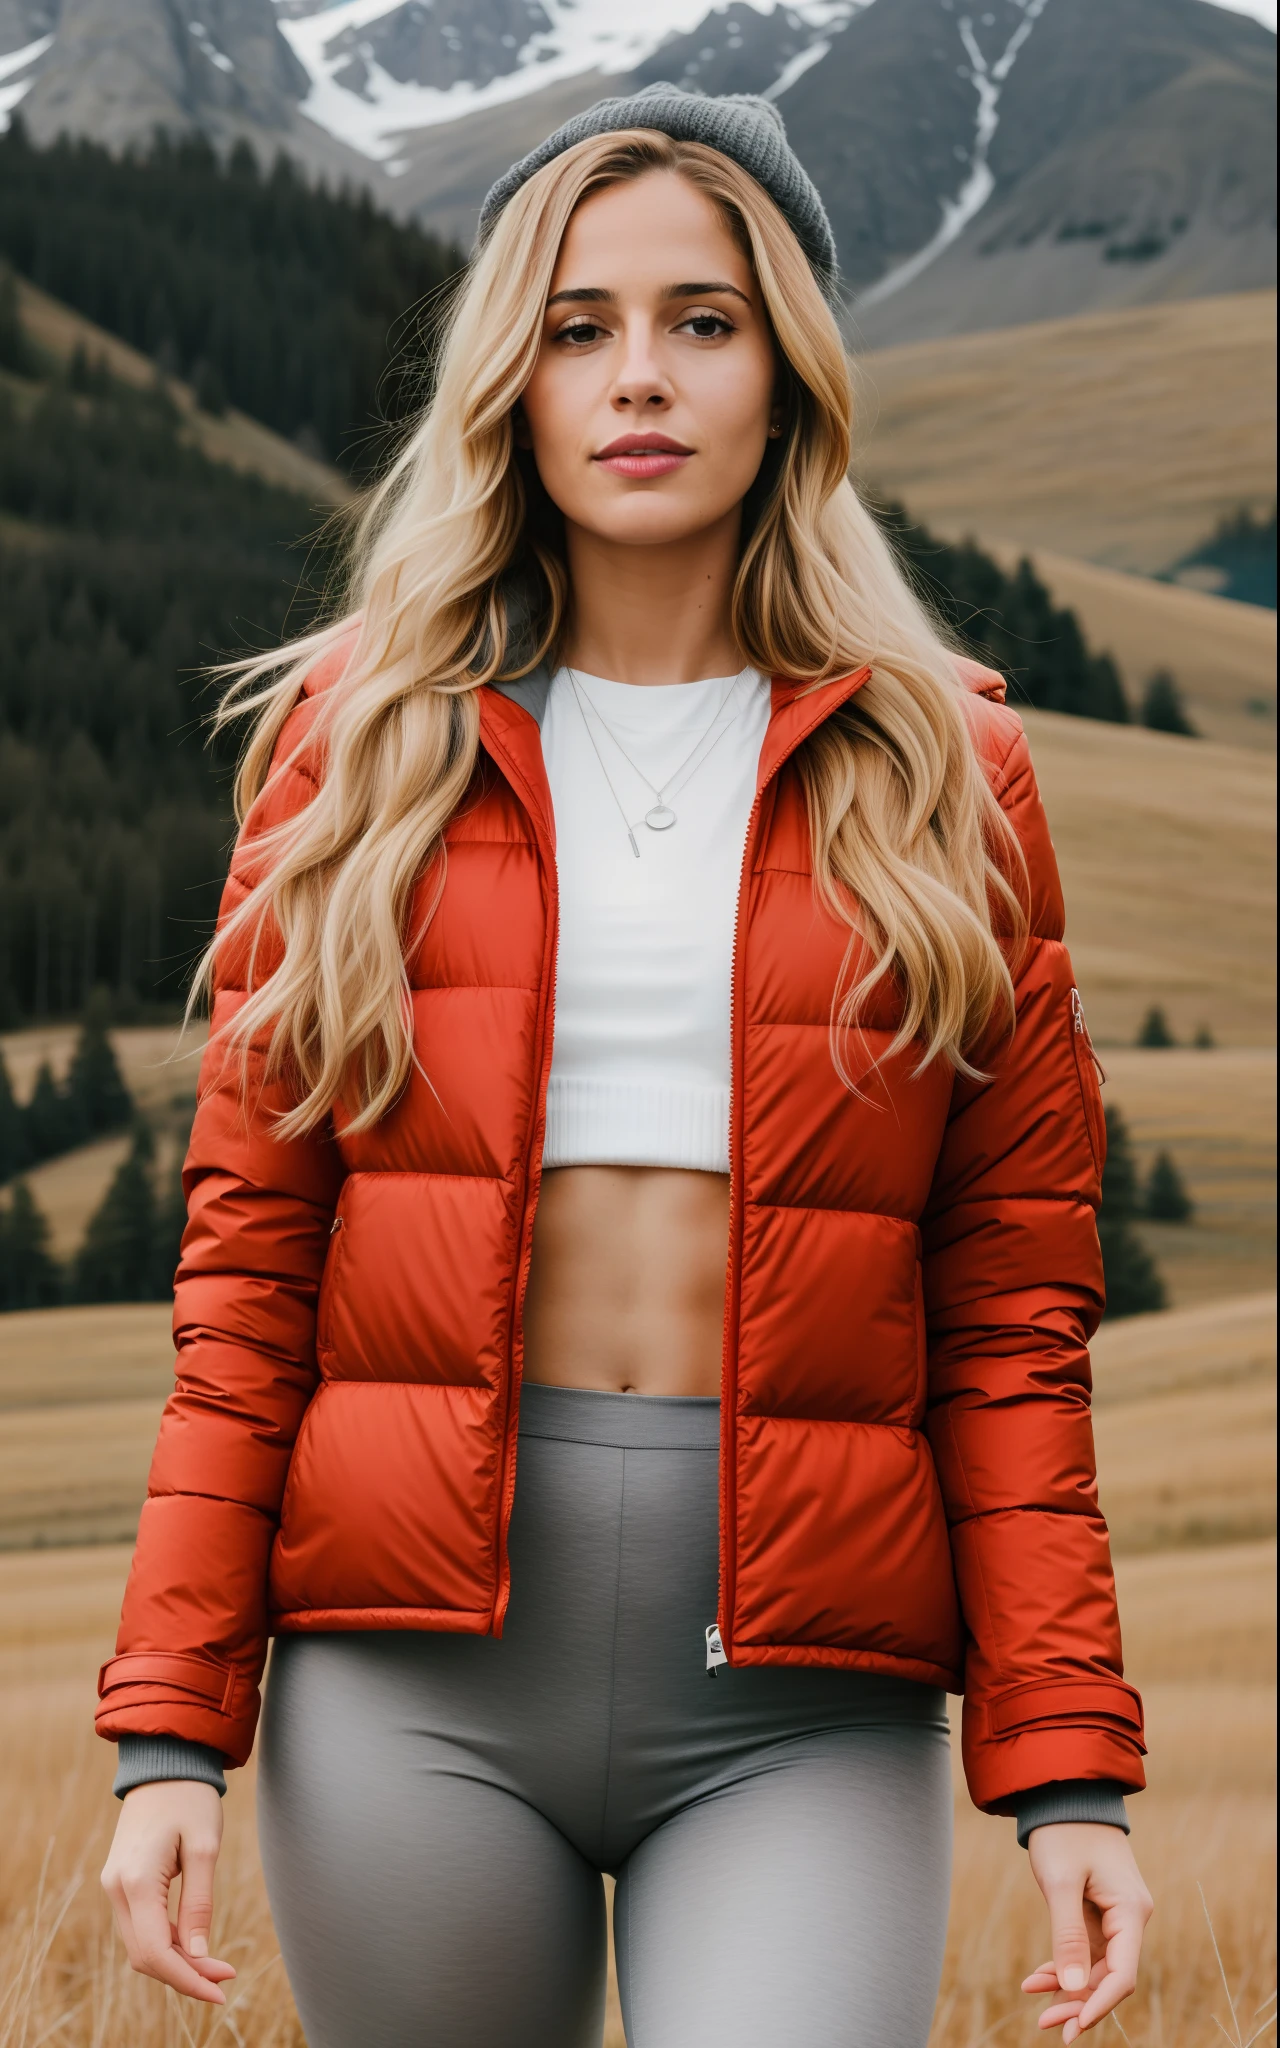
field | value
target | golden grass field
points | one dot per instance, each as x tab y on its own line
1119	437
1185	1433
1167	851
1106	447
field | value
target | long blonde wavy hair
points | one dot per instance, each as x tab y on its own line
456	578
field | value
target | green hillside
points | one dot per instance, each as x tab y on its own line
128	561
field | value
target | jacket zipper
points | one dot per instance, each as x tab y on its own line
726	1583
531	1181
1082	1031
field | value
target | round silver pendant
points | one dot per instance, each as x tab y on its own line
661	818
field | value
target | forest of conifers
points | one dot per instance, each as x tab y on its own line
129	561
299	306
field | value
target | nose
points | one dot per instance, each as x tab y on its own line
642	383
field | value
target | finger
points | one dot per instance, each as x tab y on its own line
1121	1975
195	1905
156	1954
124	1921
1072	1957
1058	2014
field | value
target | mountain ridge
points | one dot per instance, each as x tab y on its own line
1043	157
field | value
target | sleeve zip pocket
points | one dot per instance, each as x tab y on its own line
1090	1073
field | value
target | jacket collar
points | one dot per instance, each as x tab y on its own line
511	717
797	710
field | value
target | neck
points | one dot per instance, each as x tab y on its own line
650	615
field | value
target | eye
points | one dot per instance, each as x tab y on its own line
706	326
580	333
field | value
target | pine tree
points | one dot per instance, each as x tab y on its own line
1162	706
208	387
46	1127
1154	1031
1165	1198
12	1147
16	352
117	1261
1204	1040
171	1221
29	1273
1134	1285
96	1096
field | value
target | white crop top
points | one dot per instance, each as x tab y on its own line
640	1062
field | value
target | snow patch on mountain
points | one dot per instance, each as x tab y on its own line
987	78
17	74
355	96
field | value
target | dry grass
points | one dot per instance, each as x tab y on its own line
1199	1628
1216	1112
1167	852
1183	1453
1185	1424
67	1190
81	1391
1119	437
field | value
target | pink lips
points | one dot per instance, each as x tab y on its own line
643	455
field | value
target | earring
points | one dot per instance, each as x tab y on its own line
775	428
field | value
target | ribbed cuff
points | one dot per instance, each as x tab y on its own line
148	1759
1097	1800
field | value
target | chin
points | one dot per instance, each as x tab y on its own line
652	523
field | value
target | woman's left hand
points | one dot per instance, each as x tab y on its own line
1098	1911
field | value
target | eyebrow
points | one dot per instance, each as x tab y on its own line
596	295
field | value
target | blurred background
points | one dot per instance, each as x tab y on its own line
224	228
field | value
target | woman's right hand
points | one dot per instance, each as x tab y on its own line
168	1829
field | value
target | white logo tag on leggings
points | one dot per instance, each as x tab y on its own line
715	1651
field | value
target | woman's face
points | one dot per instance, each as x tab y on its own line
653	394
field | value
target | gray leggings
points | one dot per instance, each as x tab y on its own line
436	1810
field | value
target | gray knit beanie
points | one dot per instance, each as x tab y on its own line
740	126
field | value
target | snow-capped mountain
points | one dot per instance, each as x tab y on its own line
982	160
382	68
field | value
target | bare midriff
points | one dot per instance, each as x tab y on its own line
626	1290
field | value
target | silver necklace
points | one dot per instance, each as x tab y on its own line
660	817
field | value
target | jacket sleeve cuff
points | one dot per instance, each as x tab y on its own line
147	1759
1097	1800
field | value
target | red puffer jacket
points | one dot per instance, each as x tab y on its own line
907	1473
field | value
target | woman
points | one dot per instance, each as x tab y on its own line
633	873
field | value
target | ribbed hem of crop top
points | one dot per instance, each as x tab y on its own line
153	1759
